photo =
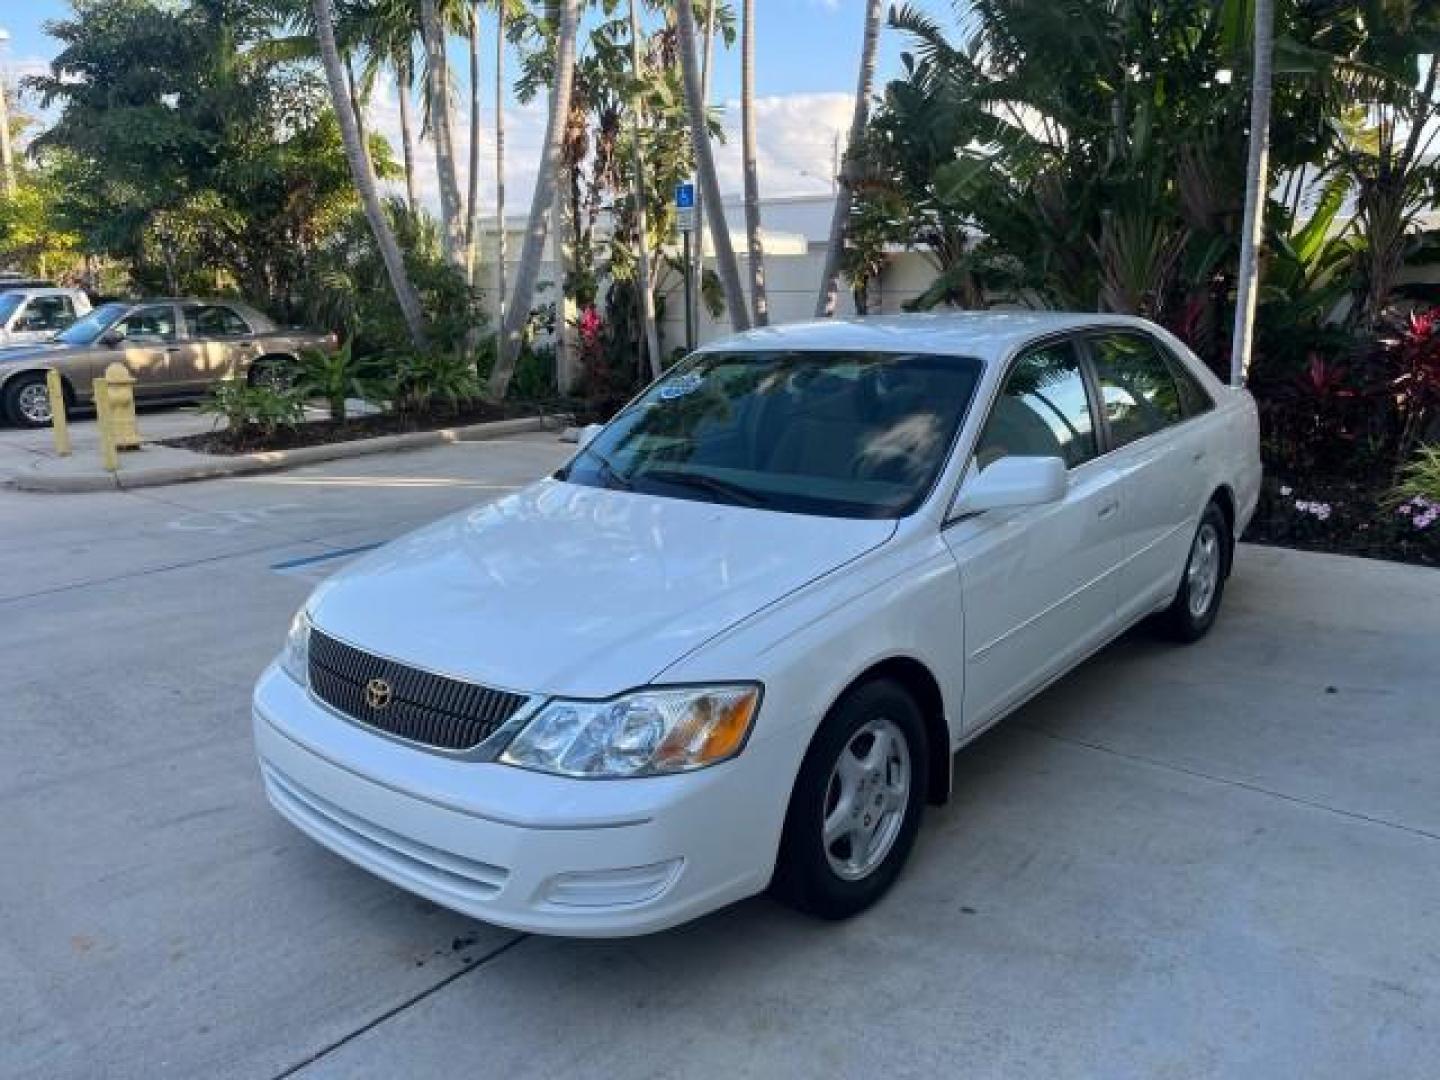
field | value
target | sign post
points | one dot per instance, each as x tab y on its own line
685	220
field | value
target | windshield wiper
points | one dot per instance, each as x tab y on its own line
700	482
612	476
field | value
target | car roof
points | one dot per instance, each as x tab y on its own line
987	335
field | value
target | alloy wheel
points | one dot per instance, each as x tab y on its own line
1203	574
33	402
866	799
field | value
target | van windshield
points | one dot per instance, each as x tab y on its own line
833	433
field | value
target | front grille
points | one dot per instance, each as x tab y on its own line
424	708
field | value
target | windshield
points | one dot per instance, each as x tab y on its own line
9	302
841	434
85	331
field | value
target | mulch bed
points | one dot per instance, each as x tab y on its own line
1343	517
324	432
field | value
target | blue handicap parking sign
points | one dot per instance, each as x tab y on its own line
685	196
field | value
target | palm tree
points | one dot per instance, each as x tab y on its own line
433	32
1256	169
849	173
363	174
752	183
725	264
642	219
697	264
472	193
540	204
403	63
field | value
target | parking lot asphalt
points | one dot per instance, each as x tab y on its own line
1221	860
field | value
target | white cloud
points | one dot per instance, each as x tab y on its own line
795	136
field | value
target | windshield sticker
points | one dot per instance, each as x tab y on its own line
681	385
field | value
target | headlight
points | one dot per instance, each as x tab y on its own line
295	658
647	733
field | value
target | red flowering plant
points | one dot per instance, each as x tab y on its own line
1414	379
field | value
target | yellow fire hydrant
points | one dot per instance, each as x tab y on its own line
120	407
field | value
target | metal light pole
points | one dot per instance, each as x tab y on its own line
7	159
1256	172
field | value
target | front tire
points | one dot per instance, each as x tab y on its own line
1197	602
27	400
857	803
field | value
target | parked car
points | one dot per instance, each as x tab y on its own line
736	640
174	348
29	315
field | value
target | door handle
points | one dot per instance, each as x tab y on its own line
173	349
1109	508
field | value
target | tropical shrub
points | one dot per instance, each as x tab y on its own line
424	382
261	408
1413	379
347	286
336	377
1420	482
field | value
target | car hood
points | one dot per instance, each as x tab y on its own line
564	589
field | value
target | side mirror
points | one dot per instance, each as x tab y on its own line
588	433
1012	481
112	338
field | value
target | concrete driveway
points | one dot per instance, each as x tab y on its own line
1221	860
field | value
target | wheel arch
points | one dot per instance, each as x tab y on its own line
66	383
260	362
921	684
1224	498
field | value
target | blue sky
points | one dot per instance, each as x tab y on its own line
806	57
802	46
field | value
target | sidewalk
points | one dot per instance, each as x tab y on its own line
28	460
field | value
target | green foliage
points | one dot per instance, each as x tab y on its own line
264	409
426	382
346	285
534	378
338	376
180	149
1090	156
1420	479
33	233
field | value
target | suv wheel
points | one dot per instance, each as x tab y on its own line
27	400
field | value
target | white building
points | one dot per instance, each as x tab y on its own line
796	231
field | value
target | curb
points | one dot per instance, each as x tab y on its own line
212	467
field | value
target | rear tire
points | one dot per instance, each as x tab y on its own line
1202	585
857	803
27	400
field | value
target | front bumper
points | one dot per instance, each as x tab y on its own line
587	858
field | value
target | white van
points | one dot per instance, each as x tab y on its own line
30	315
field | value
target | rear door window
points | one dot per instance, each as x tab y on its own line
1137	386
214	321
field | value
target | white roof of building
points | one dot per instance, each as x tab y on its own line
987	335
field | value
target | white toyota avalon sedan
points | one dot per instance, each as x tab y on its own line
734	643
